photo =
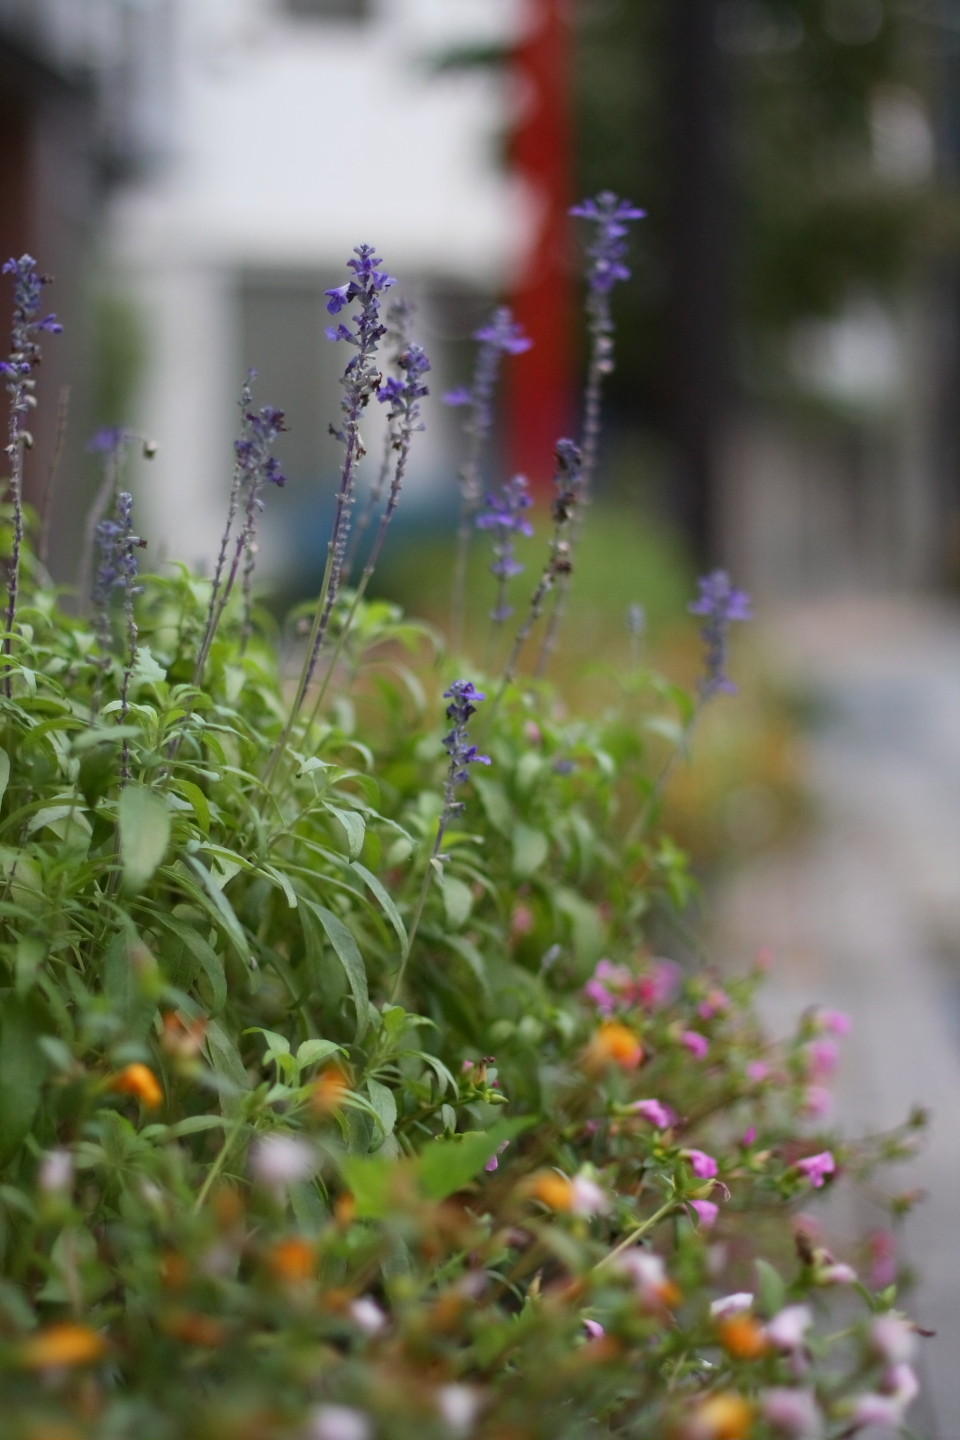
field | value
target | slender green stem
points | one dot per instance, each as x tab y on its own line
219	1162
418	911
305	673
635	1235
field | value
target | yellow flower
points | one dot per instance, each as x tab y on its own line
61	1345
721	1417
551	1189
292	1259
328	1091
139	1080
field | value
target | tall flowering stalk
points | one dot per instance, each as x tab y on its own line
719	604
505	516
400	313
18	372
569	489
403	394
605	268
360	381
500	336
464	698
255	466
117	570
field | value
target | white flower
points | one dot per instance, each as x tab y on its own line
588	1197
459	1406
56	1172
366	1313
893	1338
788	1327
278	1161
731	1304
339	1422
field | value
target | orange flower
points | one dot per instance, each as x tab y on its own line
60	1345
552	1189
742	1337
196	1329
182	1038
139	1080
328	1091
344	1209
722	1417
173	1271
292	1259
612	1044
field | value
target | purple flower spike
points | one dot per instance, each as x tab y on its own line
505	515
611	216
464	698
720	604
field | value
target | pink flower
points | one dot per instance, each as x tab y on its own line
707	1212
817	1102
659	986
697	1044
876	1410
459	1406
659	1115
594	1329
367	1315
647	1273
902	1384
713	1004
339	1422
893	1338
748	1136
836	1021
757	1071
821	1057
493	1163
837	1274
731	1304
608	985
788	1327
703	1166
883	1255
816	1167
521	921
588	1198
792	1412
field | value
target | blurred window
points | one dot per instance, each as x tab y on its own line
328	9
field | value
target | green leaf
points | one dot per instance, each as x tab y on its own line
445	1166
770	1288
350	958
204	954
146	671
22	1071
530	849
144	834
369	1178
311	1051
384	1103
457	901
198	802
278	877
193	1125
229	1068
4	773
223	908
354	826
386	900
497	807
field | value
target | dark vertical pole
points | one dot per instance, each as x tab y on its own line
539	395
698	345
947	287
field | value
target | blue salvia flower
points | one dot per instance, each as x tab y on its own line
17	370
500	336
464	698
360	381
505	514
117	570
255	466
720	604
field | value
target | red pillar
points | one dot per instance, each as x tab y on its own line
540	402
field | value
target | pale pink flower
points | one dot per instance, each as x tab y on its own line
657	1114
817	1102
493	1163
816	1167
367	1315
821	1058
647	1273
339	1422
279	1161
893	1338
901	1382
876	1410
789	1326
792	1412
836	1021
707	1212
757	1071
834	1272
588	1197
883	1256
56	1172
659	986
703	1166
731	1304
459	1406
594	1329
697	1044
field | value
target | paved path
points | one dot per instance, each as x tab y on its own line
865	915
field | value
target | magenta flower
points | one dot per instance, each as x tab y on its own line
659	1115
836	1021
697	1044
816	1167
748	1136
659	986
707	1212
494	1163
821	1058
703	1166
757	1071
594	1329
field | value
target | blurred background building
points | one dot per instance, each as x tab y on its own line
196	172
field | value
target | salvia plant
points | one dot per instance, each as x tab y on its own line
342	1092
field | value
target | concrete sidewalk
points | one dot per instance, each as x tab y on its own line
865	916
